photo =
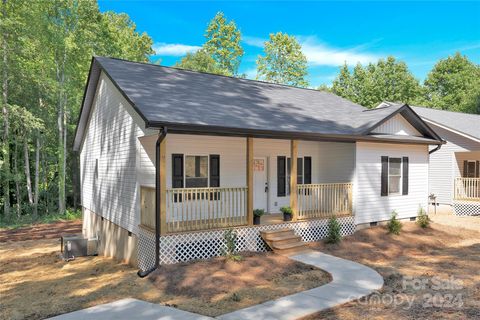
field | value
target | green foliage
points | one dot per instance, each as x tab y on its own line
223	43
283	61
394	226
286	210
386	80
454	84
201	61
258	212
29	219
422	218
230	251
334	231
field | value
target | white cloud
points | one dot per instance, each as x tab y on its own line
254	41
173	49
321	54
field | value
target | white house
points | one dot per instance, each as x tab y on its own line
178	156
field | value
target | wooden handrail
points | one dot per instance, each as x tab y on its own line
467	189
324	200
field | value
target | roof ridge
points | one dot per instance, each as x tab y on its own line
449	111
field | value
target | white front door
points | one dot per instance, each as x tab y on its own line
260	184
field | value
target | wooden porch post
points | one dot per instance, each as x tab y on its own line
293	178
163	188
250	181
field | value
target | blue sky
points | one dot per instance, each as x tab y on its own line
418	33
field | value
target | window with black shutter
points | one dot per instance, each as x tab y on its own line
214	175
405	176
177	170
307	170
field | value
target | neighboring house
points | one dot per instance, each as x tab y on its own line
201	151
454	175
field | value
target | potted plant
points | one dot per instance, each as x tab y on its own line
287	213
257	213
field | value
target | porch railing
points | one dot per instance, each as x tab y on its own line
324	200
191	209
467	189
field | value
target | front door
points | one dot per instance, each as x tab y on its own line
260	184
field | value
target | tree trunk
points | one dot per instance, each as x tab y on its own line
61	135
6	143
26	158
17	184
37	169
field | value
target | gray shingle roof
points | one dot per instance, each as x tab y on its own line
165	96
463	122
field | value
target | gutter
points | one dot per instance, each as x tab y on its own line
161	136
435	149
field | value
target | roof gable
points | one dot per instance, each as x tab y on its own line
397	125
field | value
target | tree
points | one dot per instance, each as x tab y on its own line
283	61
223	43
386	80
201	61
454	84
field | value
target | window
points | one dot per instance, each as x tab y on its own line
470	169
196	171
394	175
304	173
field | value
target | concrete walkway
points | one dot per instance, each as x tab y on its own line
351	281
127	309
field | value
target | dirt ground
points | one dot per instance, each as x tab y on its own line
36	283
219	286
41	231
429	274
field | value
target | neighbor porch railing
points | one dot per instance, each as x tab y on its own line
191	209
324	200
467	189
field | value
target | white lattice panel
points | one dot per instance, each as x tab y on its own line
206	244
466	208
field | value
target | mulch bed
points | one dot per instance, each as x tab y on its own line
42	231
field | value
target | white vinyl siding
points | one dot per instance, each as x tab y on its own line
108	158
397	125
447	163
369	204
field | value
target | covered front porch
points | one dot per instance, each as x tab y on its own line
313	178
466	185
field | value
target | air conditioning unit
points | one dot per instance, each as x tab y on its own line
76	245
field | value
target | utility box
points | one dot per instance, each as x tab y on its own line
76	245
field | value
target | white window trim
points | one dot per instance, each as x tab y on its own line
400	189
185	168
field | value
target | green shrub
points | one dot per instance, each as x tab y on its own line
286	210
394	226
258	212
422	218
230	251
334	231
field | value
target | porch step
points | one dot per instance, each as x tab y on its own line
283	241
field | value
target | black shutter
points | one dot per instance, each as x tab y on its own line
307	170
477	170
214	171
384	186
405	176
299	171
465	168
177	170
281	182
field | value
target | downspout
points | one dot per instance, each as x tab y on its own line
435	150
161	137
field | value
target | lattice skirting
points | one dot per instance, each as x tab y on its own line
206	244
466	208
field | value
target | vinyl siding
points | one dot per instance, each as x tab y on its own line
111	140
444	166
369	205
397	125
331	162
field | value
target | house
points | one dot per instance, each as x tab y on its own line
170	158
454	171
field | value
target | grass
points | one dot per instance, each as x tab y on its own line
27	220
